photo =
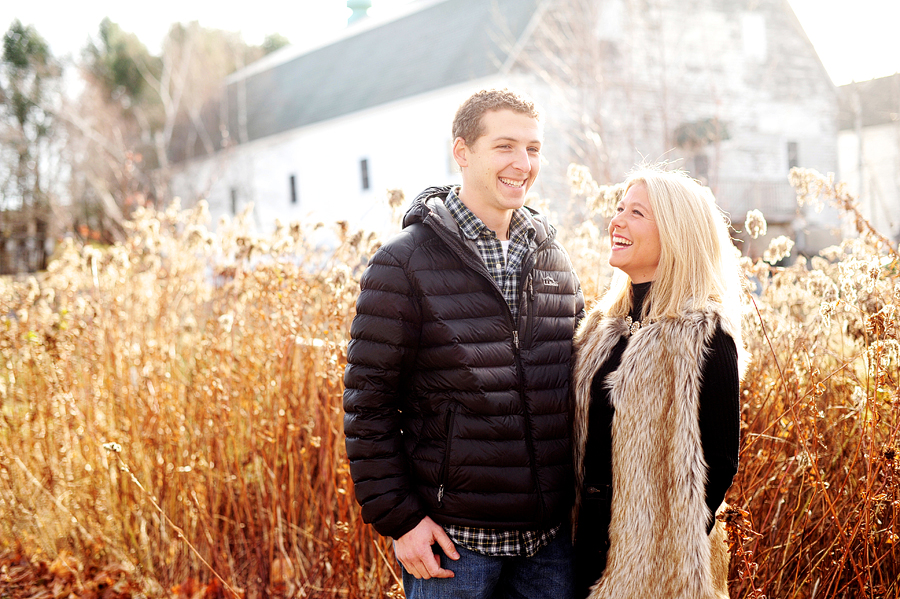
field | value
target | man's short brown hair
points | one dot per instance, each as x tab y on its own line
467	122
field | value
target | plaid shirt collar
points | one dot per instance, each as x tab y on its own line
473	228
503	266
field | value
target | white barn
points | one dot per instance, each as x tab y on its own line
732	90
323	133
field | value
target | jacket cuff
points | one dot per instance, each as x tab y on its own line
403	528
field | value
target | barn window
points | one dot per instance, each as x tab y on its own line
792	155
364	172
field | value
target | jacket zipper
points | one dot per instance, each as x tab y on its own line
529	427
527	266
445	467
526	280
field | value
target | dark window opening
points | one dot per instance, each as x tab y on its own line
293	189
793	154
701	167
364	172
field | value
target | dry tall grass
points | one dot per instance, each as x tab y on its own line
220	387
820	475
210	367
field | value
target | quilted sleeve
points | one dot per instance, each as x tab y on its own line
384	336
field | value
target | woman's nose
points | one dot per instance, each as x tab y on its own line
616	222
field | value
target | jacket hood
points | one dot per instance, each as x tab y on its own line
428	208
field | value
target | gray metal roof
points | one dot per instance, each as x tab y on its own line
443	44
878	102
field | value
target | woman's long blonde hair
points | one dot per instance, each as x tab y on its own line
697	263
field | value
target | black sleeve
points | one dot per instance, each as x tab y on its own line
720	419
384	337
579	304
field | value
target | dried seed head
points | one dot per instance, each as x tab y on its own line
779	248
342	228
755	224
821	285
605	199
227	321
540	204
580	180
395	198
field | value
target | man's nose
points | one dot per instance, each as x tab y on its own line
522	161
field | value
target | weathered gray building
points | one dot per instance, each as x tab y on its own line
869	149
731	90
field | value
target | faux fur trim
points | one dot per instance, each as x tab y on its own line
658	541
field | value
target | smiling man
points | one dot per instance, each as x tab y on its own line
457	381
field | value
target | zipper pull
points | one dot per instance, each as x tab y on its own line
516	339
441	496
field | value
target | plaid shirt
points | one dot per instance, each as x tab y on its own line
488	541
504	270
502	543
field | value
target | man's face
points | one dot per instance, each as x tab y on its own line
500	166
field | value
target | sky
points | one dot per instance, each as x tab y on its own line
855	39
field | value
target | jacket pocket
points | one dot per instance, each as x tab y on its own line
445	465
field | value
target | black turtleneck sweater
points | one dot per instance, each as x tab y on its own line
719	431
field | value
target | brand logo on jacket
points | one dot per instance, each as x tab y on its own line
549	281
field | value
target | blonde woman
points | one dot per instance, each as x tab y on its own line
656	382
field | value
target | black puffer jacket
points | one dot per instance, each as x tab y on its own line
452	410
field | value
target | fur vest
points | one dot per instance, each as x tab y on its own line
658	541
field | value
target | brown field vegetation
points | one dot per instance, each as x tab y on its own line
170	417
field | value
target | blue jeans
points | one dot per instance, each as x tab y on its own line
547	574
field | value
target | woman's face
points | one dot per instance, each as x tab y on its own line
635	236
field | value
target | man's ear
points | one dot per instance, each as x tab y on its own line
460	152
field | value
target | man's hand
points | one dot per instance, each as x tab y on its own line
414	550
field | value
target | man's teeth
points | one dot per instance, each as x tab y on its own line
512	183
